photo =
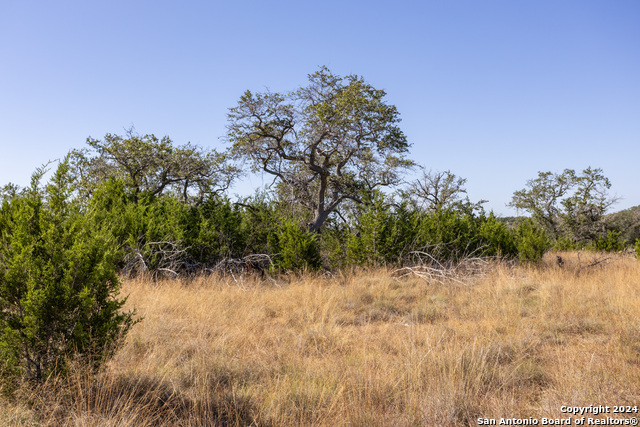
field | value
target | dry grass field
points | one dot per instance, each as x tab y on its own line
363	349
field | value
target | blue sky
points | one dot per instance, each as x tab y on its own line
493	90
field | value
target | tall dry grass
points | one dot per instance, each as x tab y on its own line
362	349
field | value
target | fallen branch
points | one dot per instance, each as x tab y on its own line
429	268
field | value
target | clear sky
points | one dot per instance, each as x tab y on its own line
493	90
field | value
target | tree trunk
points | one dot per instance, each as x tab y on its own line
318	221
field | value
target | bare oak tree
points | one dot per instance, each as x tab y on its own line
436	191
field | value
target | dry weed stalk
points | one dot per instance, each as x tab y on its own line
251	264
430	269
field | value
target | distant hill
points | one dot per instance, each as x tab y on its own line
627	222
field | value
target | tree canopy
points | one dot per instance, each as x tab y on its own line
326	142
436	191
568	204
154	166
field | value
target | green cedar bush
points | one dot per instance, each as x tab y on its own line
448	235
565	244
332	244
164	232
216	231
298	248
609	243
373	240
259	226
496	237
58	283
532	242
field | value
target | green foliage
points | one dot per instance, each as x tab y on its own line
532	241
332	245
373	241
565	244
58	283
147	164
637	248
298	248
542	198
331	146
452	235
610	243
567	205
216	230
8	192
386	235
260	225
627	222
327	142
584	209
165	234
447	234
496	236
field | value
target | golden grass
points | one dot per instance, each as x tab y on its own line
363	349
